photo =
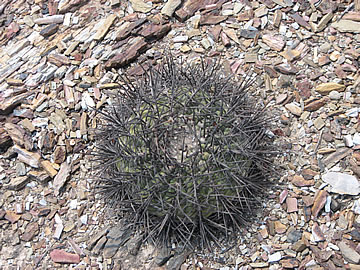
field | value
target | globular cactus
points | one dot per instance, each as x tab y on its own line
183	153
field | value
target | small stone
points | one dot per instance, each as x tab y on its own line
291	204
349	254
275	257
326	88
12	216
290	55
316	104
334	158
104	28
129	54
299	246
274	42
61	177
185	48
50	19
19	135
141	6
342	183
18	183
294	109
283	196
299	181
319	123
259	264
319	202
294	236
250	58
49	30
58	231
47	166
211	19
279	227
20	169
324	21
356	138
180	39
61	256
261	11
30	158
335	95
348	141
170	7
317	234
32	229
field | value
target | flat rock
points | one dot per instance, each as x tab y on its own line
326	88
335	157
61	178
319	202
30	158
49	30
12	216
211	19
47	166
342	183
18	183
19	135
70	5
141	6
155	31
188	9
347	26
316	104
61	256
294	109
274	42
349	254
170	7
104	28
50	19
137	46
117	236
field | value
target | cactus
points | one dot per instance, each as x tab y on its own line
183	154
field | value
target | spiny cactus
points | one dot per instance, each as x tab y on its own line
183	154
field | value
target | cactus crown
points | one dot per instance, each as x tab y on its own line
183	153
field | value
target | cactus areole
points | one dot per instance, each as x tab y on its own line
183	154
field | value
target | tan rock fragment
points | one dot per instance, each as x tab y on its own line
279	227
274	42
104	28
319	202
19	135
61	178
347	26
316	104
83	123
294	109
141	6
30	158
18	183
324	21
290	55
170	7
325	88
47	166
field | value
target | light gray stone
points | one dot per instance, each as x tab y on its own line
342	183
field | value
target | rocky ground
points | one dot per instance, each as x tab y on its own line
60	59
